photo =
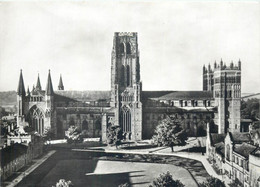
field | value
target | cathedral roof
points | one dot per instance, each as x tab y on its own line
187	95
83	95
21	89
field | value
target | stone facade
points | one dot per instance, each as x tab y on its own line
136	111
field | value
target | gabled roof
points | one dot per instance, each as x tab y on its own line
184	95
220	148
217	138
256	152
240	137
21	89
244	149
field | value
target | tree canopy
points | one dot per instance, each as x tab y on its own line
166	180
212	182
250	109
114	135
169	132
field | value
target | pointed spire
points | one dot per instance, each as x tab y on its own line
38	84
28	91
21	89
60	87
49	88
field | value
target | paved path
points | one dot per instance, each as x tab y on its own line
30	169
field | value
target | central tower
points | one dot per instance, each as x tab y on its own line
125	85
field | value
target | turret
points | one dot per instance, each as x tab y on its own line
215	65
49	87
221	64
49	99
239	64
38	84
20	99
60	87
204	69
209	68
231	65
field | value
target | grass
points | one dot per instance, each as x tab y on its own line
82	169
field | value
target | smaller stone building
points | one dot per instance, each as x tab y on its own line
235	155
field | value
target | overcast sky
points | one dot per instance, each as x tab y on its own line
175	40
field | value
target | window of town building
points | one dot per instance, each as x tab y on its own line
228	152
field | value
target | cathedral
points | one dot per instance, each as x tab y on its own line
136	111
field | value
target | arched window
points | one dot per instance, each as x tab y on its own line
36	119
128	48
85	125
121	48
122	75
125	119
128	75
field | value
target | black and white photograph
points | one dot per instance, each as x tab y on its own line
129	93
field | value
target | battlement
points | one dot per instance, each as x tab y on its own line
132	34
222	66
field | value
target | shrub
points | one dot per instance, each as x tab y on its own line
213	182
166	180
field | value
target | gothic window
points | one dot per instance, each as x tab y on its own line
125	119
122	48
36	120
128	48
128	75
85	125
122	78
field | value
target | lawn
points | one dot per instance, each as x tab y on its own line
100	169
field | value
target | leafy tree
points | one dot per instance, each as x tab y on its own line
250	109
166	180
236	183
212	182
169	133
114	135
48	134
63	183
3	112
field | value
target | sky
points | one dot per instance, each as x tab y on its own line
74	38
